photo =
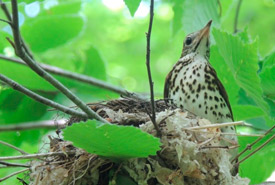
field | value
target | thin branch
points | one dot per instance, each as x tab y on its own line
13	174
3	20
13	147
36	156
41	99
79	77
6	164
256	150
48	124
237	16
40	71
151	83
6	11
249	146
218	125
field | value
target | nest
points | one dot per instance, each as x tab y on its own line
187	156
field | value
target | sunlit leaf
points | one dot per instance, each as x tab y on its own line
112	141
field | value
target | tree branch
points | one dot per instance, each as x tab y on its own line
151	83
41	99
6	165
13	174
40	71
256	150
13	147
237	16
35	156
249	146
49	124
79	77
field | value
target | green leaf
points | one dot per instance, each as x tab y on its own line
198	13
112	141
132	6
242	61
225	75
43	33
267	76
178	15
24	76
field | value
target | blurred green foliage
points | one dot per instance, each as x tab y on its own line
106	40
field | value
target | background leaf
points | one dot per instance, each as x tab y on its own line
132	6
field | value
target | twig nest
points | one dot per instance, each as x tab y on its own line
187	156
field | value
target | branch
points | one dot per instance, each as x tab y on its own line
6	165
249	146
35	156
256	150
13	174
216	125
41	99
49	124
13	147
151	83
237	16
79	77
40	71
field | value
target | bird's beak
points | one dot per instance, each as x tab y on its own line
205	31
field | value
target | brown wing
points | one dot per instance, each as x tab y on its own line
221	89
167	85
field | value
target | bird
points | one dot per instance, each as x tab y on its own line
193	84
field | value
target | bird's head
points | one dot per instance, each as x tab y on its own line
197	42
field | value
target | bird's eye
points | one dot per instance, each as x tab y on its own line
188	41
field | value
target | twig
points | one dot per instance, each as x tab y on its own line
237	16
3	20
218	125
13	165
6	11
151	83
13	174
249	146
35	156
49	124
256	150
13	147
41	99
79	77
40	71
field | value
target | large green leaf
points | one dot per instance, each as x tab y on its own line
112	141
132	6
225	75
242	61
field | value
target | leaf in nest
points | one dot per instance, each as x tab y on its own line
112	141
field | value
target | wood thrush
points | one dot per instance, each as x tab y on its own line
193	84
